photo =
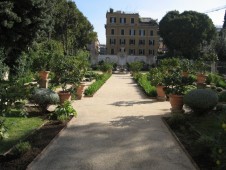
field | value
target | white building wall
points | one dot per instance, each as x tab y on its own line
122	60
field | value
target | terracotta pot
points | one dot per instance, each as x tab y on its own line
161	95
177	103
201	78
64	96
80	91
43	75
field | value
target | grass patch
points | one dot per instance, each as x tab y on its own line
203	136
18	128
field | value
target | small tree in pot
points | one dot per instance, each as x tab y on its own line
156	78
176	87
70	70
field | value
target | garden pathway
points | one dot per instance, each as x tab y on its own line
118	129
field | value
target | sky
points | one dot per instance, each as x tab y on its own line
95	10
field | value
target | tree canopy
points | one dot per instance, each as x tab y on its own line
24	22
224	25
184	33
20	22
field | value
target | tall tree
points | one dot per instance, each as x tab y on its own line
184	33
71	27
21	20
224	25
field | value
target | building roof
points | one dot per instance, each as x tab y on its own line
149	21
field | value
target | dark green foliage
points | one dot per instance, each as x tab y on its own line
63	112
44	97
203	145
21	20
21	148
183	33
105	67
145	84
71	27
176	121
222	96
220	45
175	83
3	130
224	25
201	100
156	76
92	89
70	69
216	79
44	53
135	66
10	92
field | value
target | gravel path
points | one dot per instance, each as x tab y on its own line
118	129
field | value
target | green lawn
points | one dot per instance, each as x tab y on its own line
18	128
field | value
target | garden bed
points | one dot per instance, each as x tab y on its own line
38	141
203	137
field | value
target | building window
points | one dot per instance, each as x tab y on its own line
122	32
122	41
112	51
142	32
152	42
150	52
112	41
131	51
132	21
132	32
132	41
122	20
112	20
151	33
112	32
153	52
141	42
141	52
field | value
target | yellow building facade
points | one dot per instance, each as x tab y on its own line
130	34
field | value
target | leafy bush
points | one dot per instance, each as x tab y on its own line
222	96
44	97
135	66
156	76
96	85
3	130
201	100
21	148
146	86
63	112
216	79
176	120
105	67
203	145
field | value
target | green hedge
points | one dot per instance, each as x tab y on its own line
97	84
144	83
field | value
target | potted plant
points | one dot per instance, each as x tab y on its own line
200	68
185	66
156	78
70	71
175	87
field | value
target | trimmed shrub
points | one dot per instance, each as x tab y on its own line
201	100
222	96
146	86
96	85
44	97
